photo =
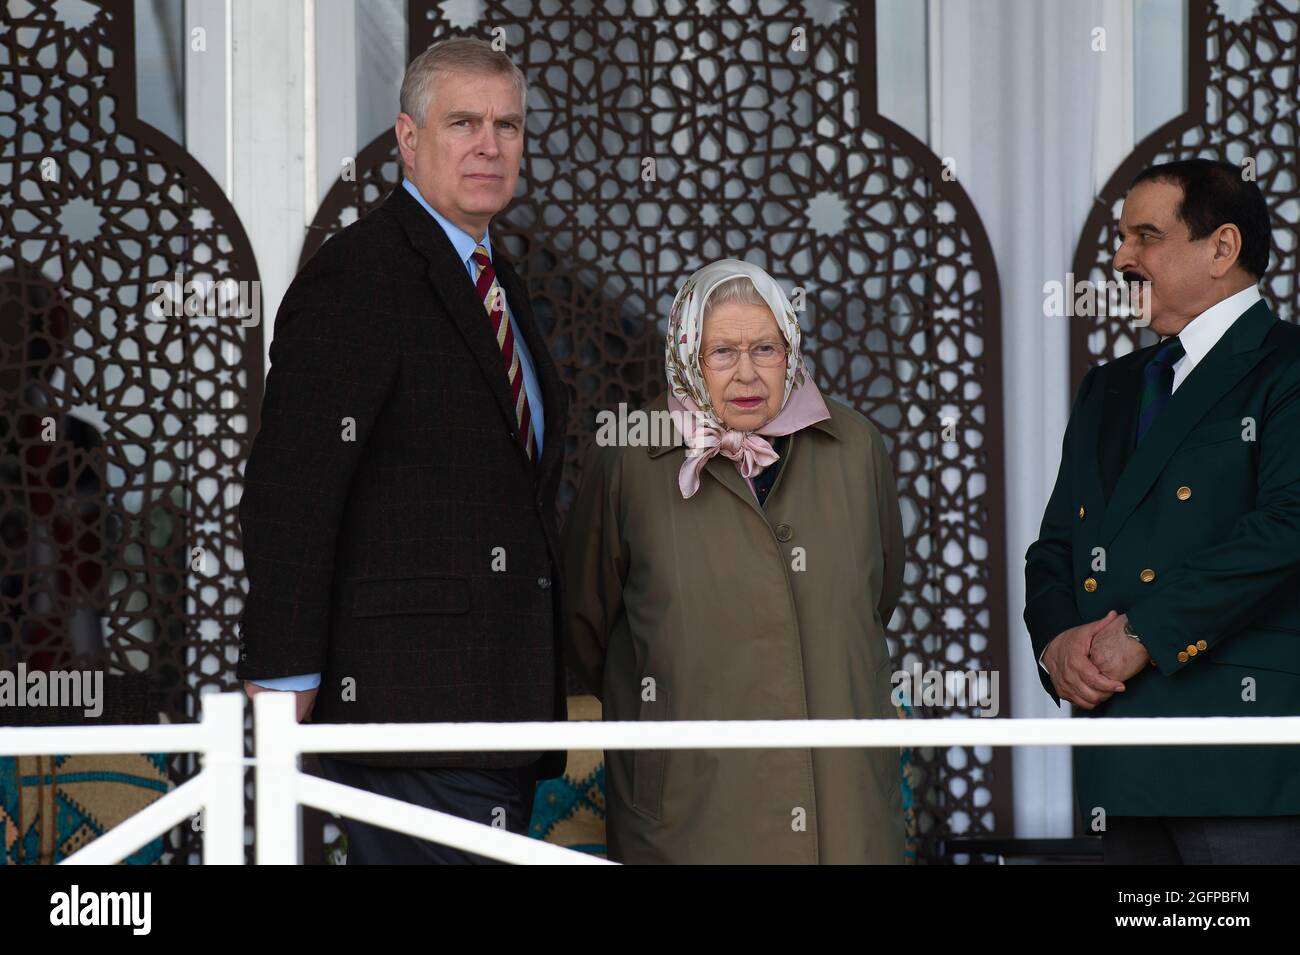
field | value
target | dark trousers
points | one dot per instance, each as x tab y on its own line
487	796
1201	840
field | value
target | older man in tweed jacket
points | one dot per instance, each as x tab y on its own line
398	512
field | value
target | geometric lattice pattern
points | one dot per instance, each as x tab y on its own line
1243	92
124	427
662	137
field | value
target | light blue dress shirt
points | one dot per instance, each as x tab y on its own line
464	245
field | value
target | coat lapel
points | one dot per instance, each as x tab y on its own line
1118	427
1236	353
724	469
451	282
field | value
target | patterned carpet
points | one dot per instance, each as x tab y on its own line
51	806
570	811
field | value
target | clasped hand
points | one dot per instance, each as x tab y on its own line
1089	663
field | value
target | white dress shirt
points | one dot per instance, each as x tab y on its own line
1204	331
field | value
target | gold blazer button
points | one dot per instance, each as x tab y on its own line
1082	513
1202	645
1147	576
1191	650
1182	656
1090	584
1183	492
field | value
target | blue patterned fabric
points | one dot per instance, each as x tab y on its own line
571	812
51	806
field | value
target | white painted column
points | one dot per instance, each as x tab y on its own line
207	92
1116	105
336	91
270	132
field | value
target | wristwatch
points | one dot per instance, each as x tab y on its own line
1129	630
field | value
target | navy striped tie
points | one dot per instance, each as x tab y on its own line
1158	382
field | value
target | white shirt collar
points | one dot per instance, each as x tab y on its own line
1204	331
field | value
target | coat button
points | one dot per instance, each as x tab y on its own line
1183	493
1147	576
784	532
1182	656
1082	512
1202	645
544	582
1191	650
1090	584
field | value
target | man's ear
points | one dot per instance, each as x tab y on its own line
1226	243
406	132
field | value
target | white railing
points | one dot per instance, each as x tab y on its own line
217	791
282	787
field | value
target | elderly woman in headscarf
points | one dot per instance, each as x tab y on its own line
747	575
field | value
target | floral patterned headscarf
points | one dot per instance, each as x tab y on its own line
705	433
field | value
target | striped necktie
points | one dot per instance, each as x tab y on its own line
494	300
1158	382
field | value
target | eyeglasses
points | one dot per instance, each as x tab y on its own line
762	354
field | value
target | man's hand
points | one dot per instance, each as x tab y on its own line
1075	676
304	699
1115	653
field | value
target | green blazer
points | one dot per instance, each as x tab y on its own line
1199	530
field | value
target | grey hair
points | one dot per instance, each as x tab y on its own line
460	54
739	290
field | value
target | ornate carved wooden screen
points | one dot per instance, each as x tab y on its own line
124	427
1242	94
770	153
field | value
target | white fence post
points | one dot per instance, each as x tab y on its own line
275	724
223	774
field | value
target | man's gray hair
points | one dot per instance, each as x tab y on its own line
459	54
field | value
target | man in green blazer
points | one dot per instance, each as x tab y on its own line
1165	578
